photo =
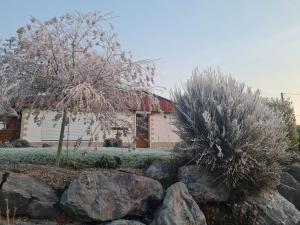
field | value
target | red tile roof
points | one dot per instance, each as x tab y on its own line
165	105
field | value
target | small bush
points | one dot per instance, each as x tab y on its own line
113	142
229	129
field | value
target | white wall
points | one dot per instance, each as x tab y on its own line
49	129
29	129
162	129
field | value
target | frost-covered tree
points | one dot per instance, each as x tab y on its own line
6	86
285	107
74	64
228	129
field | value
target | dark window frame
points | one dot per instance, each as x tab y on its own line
4	125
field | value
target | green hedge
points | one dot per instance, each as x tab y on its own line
80	158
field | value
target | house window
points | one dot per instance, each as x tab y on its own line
120	131
119	128
2	125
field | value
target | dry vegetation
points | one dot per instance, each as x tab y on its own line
229	129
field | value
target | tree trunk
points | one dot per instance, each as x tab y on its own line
61	138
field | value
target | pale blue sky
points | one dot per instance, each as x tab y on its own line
257	41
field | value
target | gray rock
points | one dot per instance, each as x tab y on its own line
42	210
25	194
290	189
158	170
179	208
201	186
124	222
110	195
294	170
273	209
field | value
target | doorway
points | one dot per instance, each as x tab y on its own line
142	131
10	129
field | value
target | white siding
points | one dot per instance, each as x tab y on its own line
162	129
49	129
30	130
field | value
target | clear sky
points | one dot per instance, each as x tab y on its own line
257	42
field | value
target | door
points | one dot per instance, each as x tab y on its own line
10	129
142	131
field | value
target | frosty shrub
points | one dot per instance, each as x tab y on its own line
298	131
287	110
228	129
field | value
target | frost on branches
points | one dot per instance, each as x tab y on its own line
75	64
285	107
5	87
229	129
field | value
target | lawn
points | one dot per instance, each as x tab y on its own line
81	157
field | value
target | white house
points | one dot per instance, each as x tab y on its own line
151	129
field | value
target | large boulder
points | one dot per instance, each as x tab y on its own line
28	197
42	210
179	208
124	222
273	209
159	170
201	186
294	170
290	189
110	195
